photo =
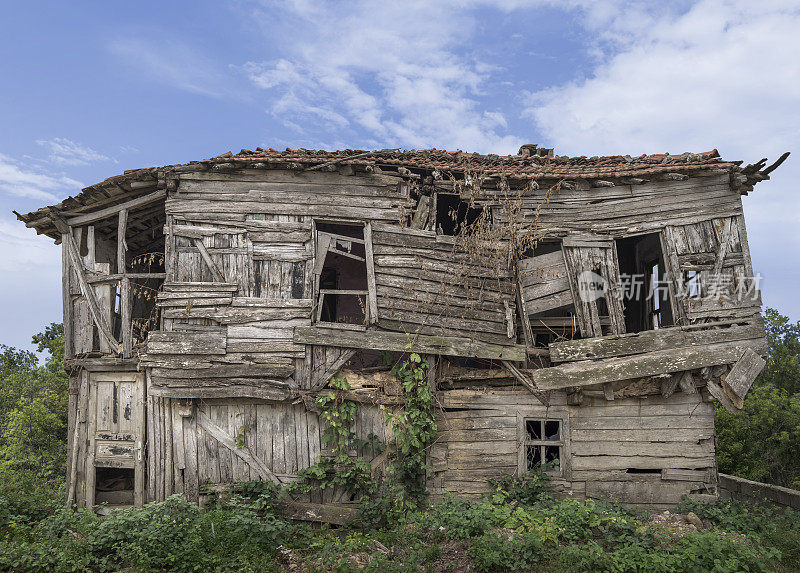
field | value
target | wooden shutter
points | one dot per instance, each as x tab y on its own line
596	254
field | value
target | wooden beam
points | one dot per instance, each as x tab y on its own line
100	278
320	379
66	299
669	384
650	340
543	397
405	342
125	318
88	292
687	383
244	453
215	272
114	209
318	512
578	374
122	246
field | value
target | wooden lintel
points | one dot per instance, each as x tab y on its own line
114	209
403	342
583	373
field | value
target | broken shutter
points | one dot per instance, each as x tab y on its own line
342	245
593	273
544	284
710	269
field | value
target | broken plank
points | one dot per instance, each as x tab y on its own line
739	380
650	340
404	342
584	373
244	453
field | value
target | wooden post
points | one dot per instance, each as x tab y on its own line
73	467
66	296
372	297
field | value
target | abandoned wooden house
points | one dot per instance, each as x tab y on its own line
578	313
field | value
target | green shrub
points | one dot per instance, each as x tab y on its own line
528	489
503	552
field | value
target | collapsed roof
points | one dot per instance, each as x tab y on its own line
530	164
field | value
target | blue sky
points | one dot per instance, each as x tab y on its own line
89	89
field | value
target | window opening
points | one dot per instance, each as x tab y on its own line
645	292
454	215
546	293
543	444
341	274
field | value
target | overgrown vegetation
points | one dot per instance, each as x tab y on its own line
761	442
33	411
520	526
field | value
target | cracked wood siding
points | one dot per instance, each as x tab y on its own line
426	286
478	441
281	438
629	209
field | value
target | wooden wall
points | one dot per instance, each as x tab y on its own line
196	445
670	440
426	286
629	209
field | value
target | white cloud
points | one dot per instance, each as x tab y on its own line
397	72
31	285
723	74
177	64
66	152
22	181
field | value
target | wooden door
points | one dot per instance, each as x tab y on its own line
116	429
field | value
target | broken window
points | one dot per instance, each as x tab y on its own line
455	215
341	285
646	297
543	444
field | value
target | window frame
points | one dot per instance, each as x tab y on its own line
550	415
370	294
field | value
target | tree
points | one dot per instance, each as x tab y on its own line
761	442
33	406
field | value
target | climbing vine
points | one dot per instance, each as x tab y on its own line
353	473
414	426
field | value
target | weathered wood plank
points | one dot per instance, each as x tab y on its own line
206	343
739	380
382	340
245	454
651	340
638	366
